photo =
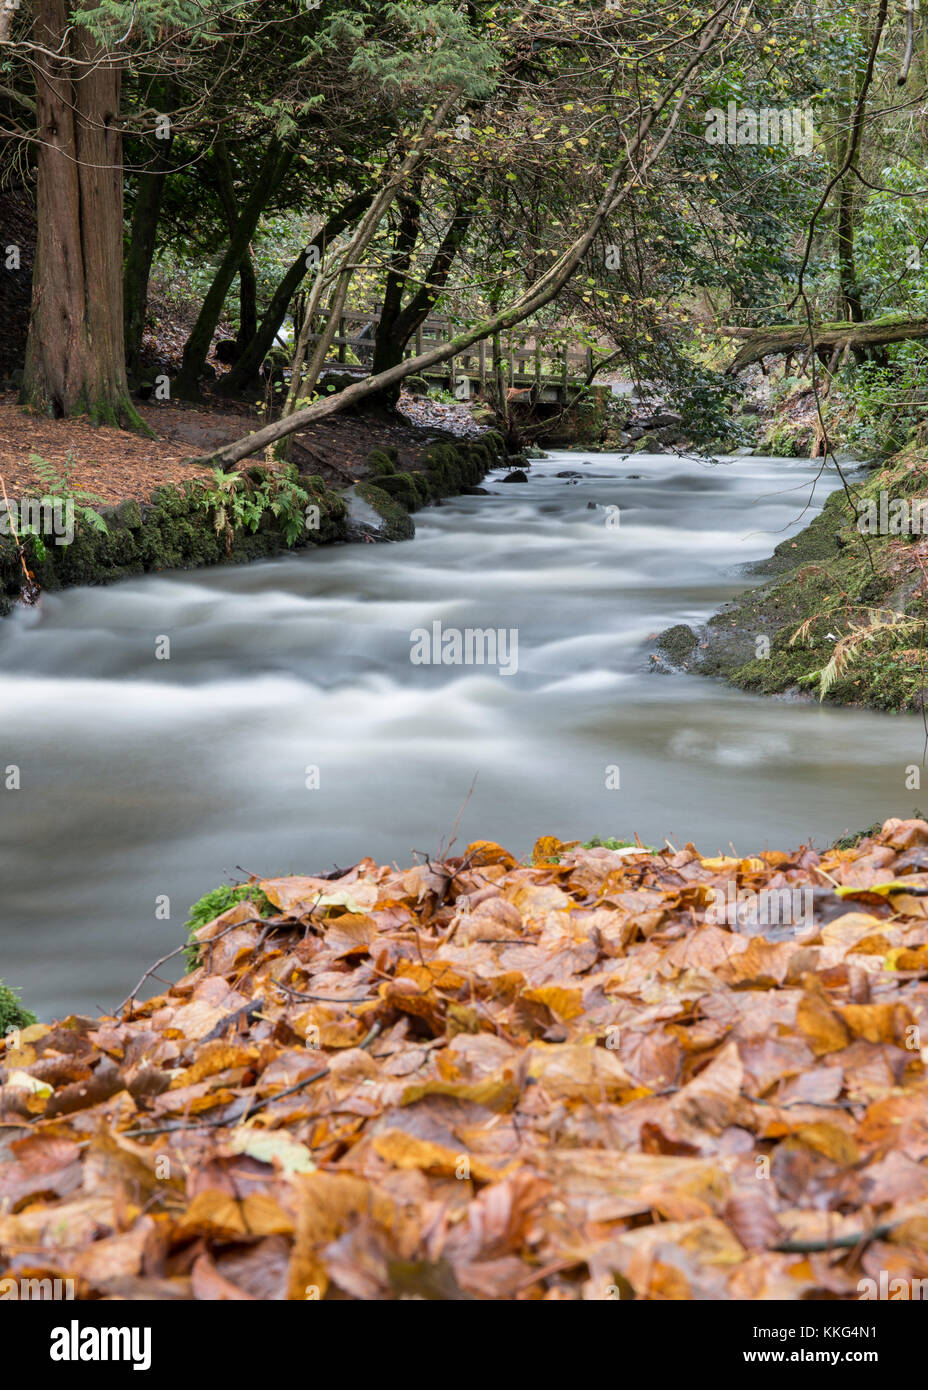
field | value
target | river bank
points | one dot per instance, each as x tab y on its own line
115	506
363	1070
843	615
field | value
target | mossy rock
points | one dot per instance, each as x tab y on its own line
13	1013
411	489
173	531
334	382
678	644
397	524
382	462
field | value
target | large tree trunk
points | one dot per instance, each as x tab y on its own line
75	359
828	338
847	270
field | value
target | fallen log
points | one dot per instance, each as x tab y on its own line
828	338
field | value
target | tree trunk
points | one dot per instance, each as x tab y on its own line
247	281
864	337
850	294
273	168
139	257
75	353
246	368
247	301
397	324
388	342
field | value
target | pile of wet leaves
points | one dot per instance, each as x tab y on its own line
598	1074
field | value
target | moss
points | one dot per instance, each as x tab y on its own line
678	643
173	531
382	462
12	1012
407	489
853	840
213	905
833	581
787	441
398	524
451	467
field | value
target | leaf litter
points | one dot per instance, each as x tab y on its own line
572	1078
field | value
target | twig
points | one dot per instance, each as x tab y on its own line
176	952
813	1247
244	1108
319	998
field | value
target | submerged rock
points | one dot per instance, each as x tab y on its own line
678	644
374	515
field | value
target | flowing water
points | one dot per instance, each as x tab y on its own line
145	782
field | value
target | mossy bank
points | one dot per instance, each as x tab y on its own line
234	518
844	614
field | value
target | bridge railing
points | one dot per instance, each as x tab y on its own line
531	356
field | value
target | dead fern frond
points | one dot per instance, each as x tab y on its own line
848	649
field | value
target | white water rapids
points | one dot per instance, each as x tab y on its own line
144	778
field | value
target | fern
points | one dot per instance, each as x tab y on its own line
848	648
59	487
238	502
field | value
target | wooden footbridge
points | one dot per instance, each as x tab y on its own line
546	360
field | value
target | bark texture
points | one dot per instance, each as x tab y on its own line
75	358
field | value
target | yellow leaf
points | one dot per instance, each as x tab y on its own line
565	1004
895	885
22	1081
824	1028
830	1140
273	1146
499	1092
407	1152
877	1023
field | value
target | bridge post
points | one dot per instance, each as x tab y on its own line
483	368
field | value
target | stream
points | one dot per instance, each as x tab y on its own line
289	730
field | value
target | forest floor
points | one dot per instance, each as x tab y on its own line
601	1073
114	464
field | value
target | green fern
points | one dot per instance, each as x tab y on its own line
59	487
239	503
